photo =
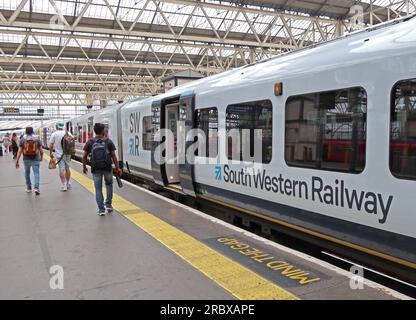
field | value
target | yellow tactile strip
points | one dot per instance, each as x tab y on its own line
238	280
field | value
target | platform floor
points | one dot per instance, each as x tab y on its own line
151	248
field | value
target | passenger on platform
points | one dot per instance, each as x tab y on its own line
102	151
15	145
32	151
6	143
62	147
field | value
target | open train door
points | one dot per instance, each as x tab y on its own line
157	120
186	120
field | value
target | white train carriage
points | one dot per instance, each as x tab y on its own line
338	143
46	131
82	128
137	137
339	157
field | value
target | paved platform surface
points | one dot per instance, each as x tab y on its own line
151	248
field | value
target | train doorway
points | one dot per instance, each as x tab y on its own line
176	115
172	166
165	115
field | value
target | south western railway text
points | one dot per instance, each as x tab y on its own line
336	194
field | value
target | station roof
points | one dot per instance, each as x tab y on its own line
61	54
336	9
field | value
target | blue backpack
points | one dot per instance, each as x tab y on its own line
100	156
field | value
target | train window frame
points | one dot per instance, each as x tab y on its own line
392	106
145	133
208	156
84	133
326	169
106	130
259	101
80	129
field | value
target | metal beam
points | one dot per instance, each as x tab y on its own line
98	63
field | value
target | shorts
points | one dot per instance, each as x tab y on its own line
65	163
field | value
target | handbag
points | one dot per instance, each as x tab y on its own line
52	164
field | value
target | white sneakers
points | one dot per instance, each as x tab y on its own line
106	211
37	191
66	186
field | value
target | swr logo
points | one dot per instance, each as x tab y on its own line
218	171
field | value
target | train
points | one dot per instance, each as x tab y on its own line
338	143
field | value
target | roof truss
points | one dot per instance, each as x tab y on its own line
118	49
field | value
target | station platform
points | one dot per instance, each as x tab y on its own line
150	248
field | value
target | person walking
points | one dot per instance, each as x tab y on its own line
15	145
32	151
62	148
6	142
102	151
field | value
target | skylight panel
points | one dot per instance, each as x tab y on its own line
241	26
128	14
146	16
41	6
11	38
183	9
66	7
99	44
98	11
201	23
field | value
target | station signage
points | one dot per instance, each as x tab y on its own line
8	110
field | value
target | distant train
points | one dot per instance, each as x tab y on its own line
338	124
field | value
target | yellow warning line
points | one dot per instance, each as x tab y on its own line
314	233
233	277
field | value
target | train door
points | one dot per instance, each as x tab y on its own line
172	167
186	123
176	115
69	127
90	129
158	168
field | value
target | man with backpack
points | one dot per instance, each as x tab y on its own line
62	148
102	151
32	151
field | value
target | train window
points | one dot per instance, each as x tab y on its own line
69	127
90	129
207	120
403	130
80	133
75	133
106	130
327	130
84	134
147	133
257	118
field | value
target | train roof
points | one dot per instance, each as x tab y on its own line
140	102
109	109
